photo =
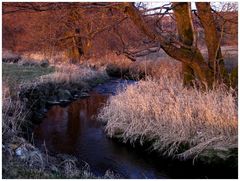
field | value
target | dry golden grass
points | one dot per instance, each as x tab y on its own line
14	110
176	120
151	66
13	113
52	57
110	58
31	162
70	73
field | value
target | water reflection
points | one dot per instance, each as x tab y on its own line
63	127
74	130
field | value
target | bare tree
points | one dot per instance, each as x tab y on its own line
186	51
83	22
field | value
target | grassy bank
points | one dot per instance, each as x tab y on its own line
14	111
19	73
178	122
21	159
14	75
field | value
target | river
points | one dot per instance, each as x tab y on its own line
74	130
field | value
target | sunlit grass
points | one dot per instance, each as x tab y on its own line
177	121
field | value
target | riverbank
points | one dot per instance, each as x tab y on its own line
177	122
27	93
75	125
64	84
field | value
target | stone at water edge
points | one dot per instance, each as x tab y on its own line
84	94
53	100
64	95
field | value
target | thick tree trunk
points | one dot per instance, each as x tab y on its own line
188	75
182	13
212	39
192	57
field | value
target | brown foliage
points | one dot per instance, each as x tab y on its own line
85	30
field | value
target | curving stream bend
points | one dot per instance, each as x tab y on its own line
74	130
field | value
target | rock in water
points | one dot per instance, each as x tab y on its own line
64	95
84	94
53	100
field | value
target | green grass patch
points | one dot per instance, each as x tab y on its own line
14	73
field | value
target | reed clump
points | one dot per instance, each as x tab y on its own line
177	121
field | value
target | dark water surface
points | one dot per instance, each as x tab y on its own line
74	130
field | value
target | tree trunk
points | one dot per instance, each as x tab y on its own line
212	40
191	57
87	45
182	13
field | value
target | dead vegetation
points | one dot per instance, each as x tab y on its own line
66	73
21	159
13	113
177	121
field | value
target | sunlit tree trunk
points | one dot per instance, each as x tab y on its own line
191	57
213	41
182	13
75	50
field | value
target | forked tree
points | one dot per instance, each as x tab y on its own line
186	51
209	71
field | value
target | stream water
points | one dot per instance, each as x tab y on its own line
74	130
